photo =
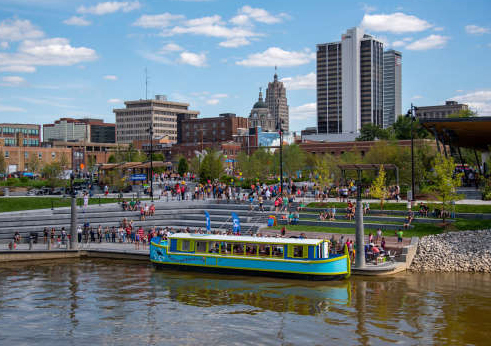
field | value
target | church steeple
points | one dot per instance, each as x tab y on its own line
260	94
275	73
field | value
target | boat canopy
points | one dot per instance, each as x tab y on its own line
245	239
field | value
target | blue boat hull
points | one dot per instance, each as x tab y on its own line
334	268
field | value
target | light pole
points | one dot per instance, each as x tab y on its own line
73	216
150	130
412	113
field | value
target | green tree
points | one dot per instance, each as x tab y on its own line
371	132
34	164
379	187
52	172
182	166
322	172
446	182
463	113
111	159
293	159
402	128
63	161
211	167
3	164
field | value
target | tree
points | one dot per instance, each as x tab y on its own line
446	182
322	172
379	188
293	159
211	167
111	159
33	163
463	113
3	164
63	161
402	128
371	132
182	166
52	172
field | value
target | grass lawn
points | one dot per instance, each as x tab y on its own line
459	208
29	203
418	230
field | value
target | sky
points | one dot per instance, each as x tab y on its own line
83	58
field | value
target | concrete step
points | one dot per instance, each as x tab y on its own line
343	224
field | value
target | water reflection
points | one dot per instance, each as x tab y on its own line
106	302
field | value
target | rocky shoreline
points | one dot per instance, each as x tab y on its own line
467	251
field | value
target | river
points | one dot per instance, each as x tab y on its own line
97	302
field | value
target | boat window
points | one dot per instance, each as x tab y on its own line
251	249
201	246
298	251
226	248
278	251
238	249
213	247
185	245
264	250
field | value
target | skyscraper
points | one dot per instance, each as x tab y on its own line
278	103
392	86
349	85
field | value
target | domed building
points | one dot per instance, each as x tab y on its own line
261	116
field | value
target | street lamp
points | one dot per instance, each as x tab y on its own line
278	126
412	114
150	130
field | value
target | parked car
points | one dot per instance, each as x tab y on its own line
46	191
58	191
33	192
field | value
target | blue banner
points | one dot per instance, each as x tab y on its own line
208	222
235	223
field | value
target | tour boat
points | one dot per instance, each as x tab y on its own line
287	257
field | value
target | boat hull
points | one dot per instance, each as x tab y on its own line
330	269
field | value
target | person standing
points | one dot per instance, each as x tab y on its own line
79	234
86	200
400	234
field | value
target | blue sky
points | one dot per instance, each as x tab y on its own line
83	58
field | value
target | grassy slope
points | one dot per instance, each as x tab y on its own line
29	203
459	208
419	230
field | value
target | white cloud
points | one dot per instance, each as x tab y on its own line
439	28
18	68
235	42
212	101
476	30
430	42
110	77
47	52
12	81
193	59
248	13
211	27
11	109
479	100
275	56
396	23
109	7
4	45
157	21
398	43
77	21
368	8
307	111
307	81
170	47
416	97
114	101
220	96
18	30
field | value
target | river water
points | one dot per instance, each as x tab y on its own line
95	302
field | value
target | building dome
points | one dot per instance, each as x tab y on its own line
260	103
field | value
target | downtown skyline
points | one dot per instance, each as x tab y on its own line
84	58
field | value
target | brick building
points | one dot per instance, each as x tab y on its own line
217	129
31	134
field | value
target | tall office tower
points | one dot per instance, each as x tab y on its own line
278	103
133	122
392	86
349	84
